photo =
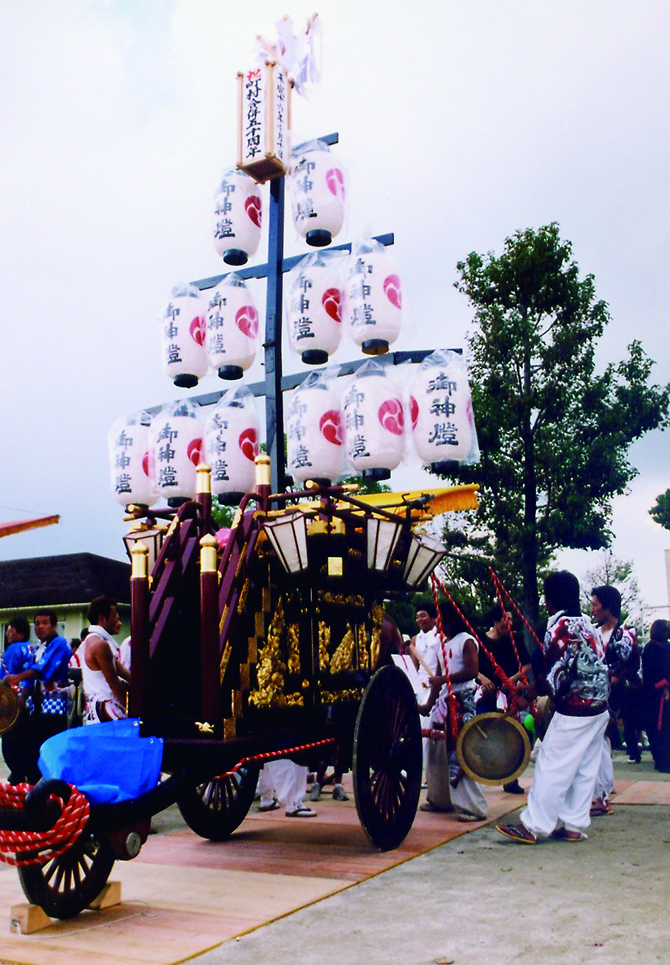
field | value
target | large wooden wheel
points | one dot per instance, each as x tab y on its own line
217	807
387	758
69	883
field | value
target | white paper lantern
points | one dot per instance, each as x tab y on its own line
176	442
237	217
183	336
318	191
315	449
374	422
314	296
131	464
374	298
232	434
232	328
443	425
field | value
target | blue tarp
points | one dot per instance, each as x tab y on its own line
108	762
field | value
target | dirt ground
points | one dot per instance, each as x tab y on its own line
484	900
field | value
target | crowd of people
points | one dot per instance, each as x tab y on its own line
45	675
589	674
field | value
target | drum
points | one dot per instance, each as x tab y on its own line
493	748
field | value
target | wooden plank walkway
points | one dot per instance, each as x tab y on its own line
183	895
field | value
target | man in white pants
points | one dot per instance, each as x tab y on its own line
567	765
284	782
423	650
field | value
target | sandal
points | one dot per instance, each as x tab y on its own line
517	832
269	807
301	812
562	834
600	809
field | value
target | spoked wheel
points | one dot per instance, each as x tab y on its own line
216	808
387	758
69	883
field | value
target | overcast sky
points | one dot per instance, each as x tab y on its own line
456	128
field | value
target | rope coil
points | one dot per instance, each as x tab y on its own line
22	848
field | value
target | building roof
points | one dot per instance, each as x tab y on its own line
55	580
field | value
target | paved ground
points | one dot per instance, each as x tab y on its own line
477	899
481	900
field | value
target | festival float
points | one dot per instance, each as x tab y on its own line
271	642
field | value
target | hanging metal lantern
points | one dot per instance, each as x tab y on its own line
443	424
232	328
314	296
232	434
131	464
264	121
318	191
183	336
373	297
315	449
374	421
176	442
237	217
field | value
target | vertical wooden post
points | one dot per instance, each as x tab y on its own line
209	629
204	493
139	629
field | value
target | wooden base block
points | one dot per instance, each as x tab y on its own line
110	895
24	919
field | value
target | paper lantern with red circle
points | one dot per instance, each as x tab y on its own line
315	439
132	468
314	296
232	436
318	191
237	217
373	297
183	336
374	422
443	424
232	328
177	447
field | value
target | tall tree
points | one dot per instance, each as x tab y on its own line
610	570
660	511
554	433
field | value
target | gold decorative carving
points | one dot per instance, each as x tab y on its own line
324	643
294	648
229	728
244	676
243	595
222	621
295	700
342	599
362	646
341	696
237	703
252	655
343	658
271	667
227	650
204	727
376	641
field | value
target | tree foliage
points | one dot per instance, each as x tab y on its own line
610	570
660	511
553	432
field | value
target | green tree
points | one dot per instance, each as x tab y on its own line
554	434
660	512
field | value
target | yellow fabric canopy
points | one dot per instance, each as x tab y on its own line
445	499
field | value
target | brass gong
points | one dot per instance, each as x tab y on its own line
9	708
493	748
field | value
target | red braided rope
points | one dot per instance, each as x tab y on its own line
451	697
273	755
496	666
497	582
21	848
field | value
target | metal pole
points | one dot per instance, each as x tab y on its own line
274	406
